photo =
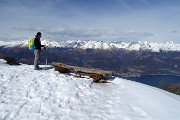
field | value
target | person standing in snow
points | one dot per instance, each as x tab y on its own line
37	51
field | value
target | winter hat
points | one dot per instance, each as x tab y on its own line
38	34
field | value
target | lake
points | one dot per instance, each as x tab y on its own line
156	80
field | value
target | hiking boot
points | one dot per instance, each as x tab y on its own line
37	68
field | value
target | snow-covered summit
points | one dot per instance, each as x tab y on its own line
150	46
48	95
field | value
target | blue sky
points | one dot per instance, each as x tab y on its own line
104	20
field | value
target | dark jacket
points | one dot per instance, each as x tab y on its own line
37	43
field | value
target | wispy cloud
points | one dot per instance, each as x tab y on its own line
126	5
145	2
66	33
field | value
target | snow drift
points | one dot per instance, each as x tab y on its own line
27	94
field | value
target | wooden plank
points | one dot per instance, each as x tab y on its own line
83	70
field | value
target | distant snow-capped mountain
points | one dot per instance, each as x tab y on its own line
150	46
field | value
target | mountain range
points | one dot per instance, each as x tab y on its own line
148	46
124	59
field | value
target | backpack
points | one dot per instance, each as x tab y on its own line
31	44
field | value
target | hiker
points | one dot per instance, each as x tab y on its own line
37	44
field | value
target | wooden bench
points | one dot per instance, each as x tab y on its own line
96	74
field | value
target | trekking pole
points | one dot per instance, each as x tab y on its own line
46	58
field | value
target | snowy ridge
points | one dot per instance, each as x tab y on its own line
150	46
27	94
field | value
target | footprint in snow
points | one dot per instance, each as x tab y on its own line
136	111
86	92
127	118
2	76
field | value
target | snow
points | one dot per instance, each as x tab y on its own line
2	62
150	46
14	43
26	94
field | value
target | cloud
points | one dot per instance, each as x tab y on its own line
145	2
132	36
66	33
175	31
